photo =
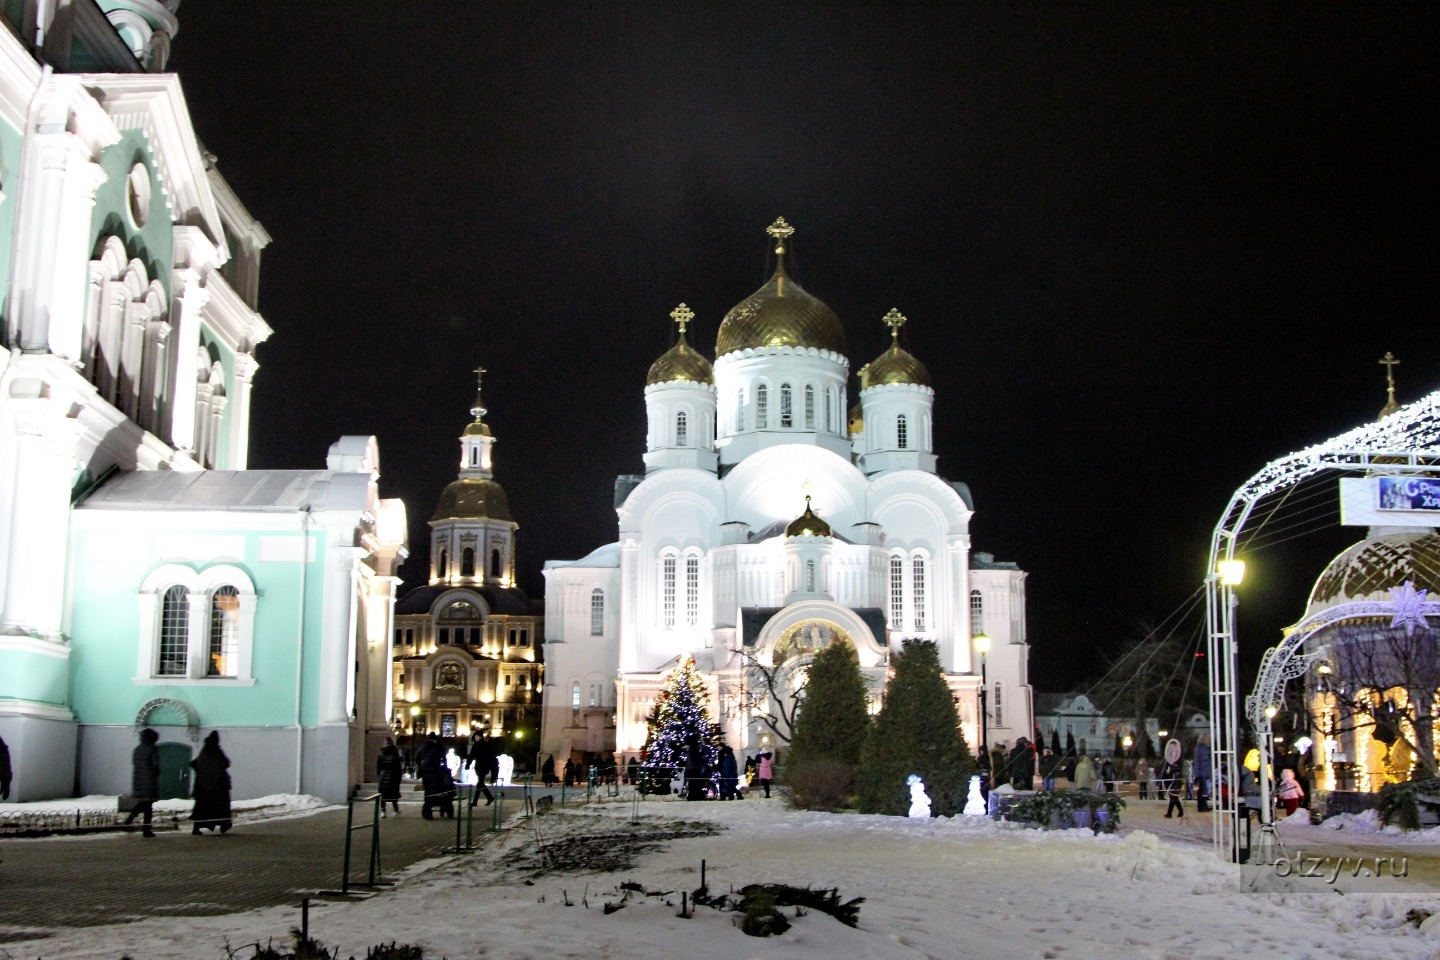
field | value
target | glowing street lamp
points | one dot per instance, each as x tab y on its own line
1231	572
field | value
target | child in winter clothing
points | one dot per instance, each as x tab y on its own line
1289	792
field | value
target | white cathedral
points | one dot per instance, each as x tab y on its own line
770	522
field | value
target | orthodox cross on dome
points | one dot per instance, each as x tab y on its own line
478	410
1409	607
781	231
682	315
894	320
1389	363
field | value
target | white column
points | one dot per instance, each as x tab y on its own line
337	662
629	600
56	204
40	476
186	305
239	441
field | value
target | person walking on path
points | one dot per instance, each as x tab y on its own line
434	778
478	759
729	775
212	787
389	771
1170	776
1049	762
145	779
764	771
6	774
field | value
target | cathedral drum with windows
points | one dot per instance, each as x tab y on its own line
771	519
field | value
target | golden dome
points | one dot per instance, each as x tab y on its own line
476	429
780	314
808	525
1372	568
681	362
473	498
894	366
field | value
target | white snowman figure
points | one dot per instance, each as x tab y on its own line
507	769
974	803
919	800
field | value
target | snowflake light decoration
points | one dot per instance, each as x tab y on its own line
1409	607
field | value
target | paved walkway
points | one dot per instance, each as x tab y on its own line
109	878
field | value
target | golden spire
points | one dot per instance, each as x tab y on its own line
682	315
781	231
477	410
894	320
1389	363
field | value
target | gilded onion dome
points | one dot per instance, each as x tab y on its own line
894	365
681	362
1370	569
473	498
780	314
808	525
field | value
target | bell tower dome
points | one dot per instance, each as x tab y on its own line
680	406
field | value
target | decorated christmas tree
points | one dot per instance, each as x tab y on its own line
679	726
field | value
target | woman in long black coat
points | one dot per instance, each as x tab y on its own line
389	770
145	778
212	787
435	776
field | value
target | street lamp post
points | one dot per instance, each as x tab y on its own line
982	647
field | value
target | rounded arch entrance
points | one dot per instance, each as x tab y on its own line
159	712
805	628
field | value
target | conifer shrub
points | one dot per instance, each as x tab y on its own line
830	732
916	732
819	785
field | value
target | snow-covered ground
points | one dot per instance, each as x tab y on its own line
934	889
260	808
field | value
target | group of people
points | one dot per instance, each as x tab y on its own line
211	789
439	771
1018	767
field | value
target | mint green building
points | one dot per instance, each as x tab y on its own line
146	576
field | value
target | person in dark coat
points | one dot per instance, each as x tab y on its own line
1107	774
547	772
1022	766
435	778
5	771
145	779
1170	776
696	776
212	787
1202	771
729	775
477	758
389	771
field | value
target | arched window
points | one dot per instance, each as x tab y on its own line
897	592
787	420
474	456
692	590
809	407
442	565
680	430
575	697
597	612
224	631
593	688
739	409
762	404
809	576
902	433
917	592
467	562
174	633
495	562
667	591
977	613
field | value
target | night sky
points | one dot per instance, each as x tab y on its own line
1144	248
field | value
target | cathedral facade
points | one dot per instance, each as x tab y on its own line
147	576
774	518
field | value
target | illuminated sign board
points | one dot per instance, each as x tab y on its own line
1409	493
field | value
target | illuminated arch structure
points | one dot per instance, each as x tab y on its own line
1404	442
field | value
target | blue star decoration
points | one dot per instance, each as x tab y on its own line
1409	607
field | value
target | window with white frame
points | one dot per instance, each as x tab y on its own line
762	405
917	591
196	626
829	410
740	409
902	433
787	419
809	576
597	612
897	592
667	591
809	407
999	706
977	613
681	430
575	697
692	590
